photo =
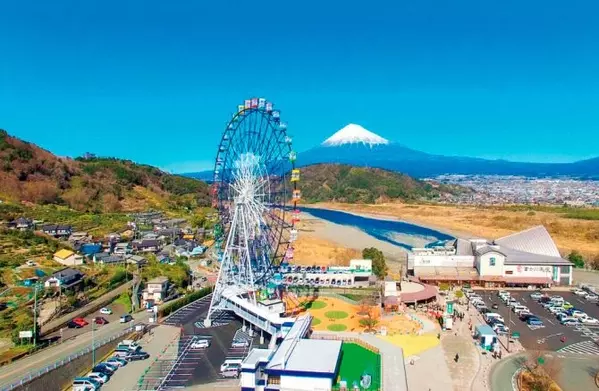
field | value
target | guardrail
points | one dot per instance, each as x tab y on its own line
64	361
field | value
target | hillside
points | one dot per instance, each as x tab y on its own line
31	174
342	183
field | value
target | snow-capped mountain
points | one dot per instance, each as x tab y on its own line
354	134
357	146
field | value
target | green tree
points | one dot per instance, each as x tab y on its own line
379	266
459	294
443	286
576	259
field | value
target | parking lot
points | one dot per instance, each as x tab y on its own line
579	339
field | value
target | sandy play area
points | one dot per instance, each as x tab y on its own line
331	314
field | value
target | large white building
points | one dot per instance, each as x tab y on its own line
525	258
298	363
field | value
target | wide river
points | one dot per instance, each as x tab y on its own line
396	232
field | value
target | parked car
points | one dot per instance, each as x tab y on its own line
200	344
532	321
116	361
497	326
101	320
85	384
525	315
578	314
567	305
137	355
592	297
570	322
581	293
242	343
106	311
74	325
555	309
502	329
125	318
97	376
536	295
105	369
589	320
80	321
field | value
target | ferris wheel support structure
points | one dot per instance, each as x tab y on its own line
254	177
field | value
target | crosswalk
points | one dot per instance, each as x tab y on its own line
585	347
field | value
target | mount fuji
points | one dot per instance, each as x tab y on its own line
357	146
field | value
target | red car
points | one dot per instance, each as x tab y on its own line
101	320
80	321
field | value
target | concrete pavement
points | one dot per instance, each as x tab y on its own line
126	378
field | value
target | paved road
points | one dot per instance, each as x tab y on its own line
36	362
68	333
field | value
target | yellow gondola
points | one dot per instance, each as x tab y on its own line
295	175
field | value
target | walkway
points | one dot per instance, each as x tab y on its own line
128	376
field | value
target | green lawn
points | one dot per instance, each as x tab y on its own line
337	327
316	321
336	314
314	305
357	361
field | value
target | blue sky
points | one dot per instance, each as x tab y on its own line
156	81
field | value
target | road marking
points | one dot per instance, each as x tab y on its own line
512	322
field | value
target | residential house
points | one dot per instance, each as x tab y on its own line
146	245
80	237
122	249
108	259
65	279
163	258
22	224
90	248
136	260
156	291
57	230
113	237
68	257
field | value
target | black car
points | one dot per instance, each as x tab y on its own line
524	317
73	325
139	355
544	299
484	310
102	369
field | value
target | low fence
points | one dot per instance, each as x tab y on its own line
357	341
37	374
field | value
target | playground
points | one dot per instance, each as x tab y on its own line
357	361
333	314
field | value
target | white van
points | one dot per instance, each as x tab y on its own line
231	363
493	315
519	308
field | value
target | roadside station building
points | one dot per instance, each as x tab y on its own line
527	258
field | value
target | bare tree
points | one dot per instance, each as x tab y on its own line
540	372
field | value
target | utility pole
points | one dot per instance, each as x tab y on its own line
508	333
35	316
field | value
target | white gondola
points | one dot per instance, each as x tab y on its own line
261	103
293	235
288	140
282	126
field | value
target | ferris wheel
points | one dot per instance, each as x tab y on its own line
255	192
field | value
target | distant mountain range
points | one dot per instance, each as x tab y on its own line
353	145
